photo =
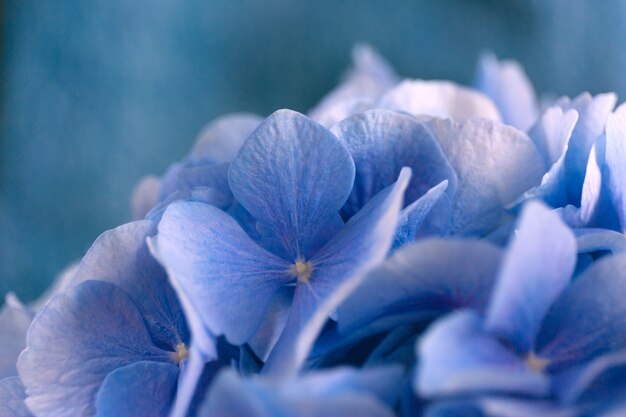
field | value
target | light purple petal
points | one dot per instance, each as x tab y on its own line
15	318
12	397
220	140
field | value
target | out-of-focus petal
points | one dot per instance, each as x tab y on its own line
15	318
381	143
293	175
143	389
595	240
589	318
552	132
420	282
614	170
443	99
12	397
145	196
506	83
457	356
537	266
221	139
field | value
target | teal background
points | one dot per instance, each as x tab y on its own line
96	93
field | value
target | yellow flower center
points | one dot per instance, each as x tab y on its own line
181	353
536	363
302	270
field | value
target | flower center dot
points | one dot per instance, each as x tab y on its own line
181	353
302	270
536	363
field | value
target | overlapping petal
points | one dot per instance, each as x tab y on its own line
228	278
293	176
15	318
494	163
381	142
86	331
221	139
439	99
420	282
12	397
589	318
537	266
457	356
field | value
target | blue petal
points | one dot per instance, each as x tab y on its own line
338	267
120	256
370	76
412	217
221	139
12	397
495	164
440	99
602	379
457	356
273	323
420	282
15	319
381	143
186	176
614	172
592	112
293	176
498	407
145	195
141	389
75	341
552	132
228	279
537	266
595	240
589	318
336	393
506	83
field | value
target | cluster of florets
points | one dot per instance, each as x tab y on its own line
407	248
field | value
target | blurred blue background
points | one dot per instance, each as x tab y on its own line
96	93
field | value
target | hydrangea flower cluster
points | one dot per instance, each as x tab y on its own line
408	248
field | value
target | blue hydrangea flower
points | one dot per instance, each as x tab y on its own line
293	176
540	331
117	330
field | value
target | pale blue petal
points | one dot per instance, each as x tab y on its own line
143	389
227	278
596	240
273	323
457	356
420	282
593	112
537	266
338	266
15	318
381	142
145	195
293	176
75	341
186	176
222	199
337	393
369	77
552	132
220	140
121	256
506	83
62	281
443	99
589	319
495	164
614	170
413	217
12	397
